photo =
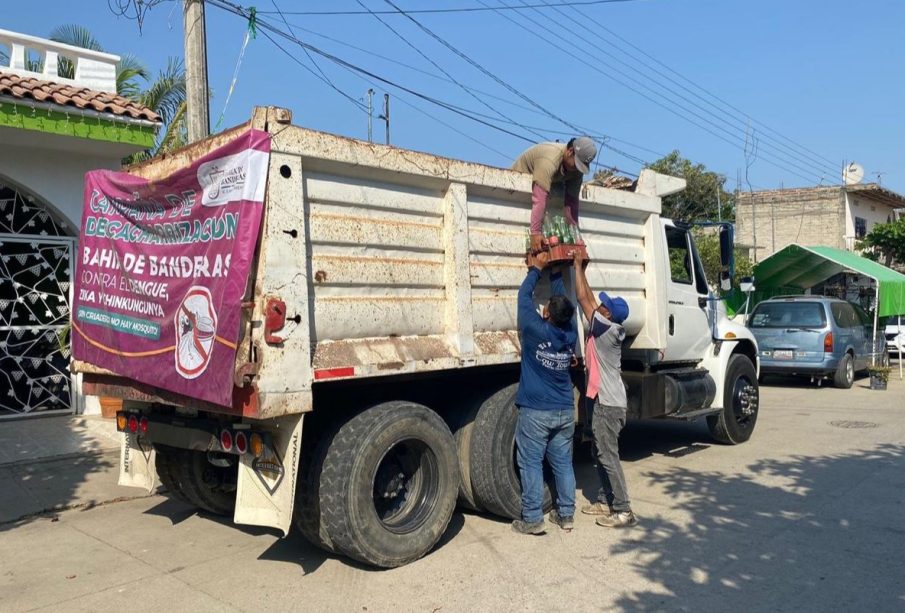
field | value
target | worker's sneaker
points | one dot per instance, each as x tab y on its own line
523	527
597	508
566	523
618	519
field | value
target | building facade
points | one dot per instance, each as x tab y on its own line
53	129
837	216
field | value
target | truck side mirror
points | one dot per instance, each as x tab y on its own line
725	281
746	284
727	253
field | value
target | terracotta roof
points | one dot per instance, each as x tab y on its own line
27	88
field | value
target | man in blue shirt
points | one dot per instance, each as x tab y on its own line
546	421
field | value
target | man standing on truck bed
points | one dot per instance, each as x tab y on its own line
555	164
546	422
603	358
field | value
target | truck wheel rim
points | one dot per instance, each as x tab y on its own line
406	486
849	371
744	401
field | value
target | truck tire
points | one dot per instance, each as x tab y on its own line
389	484
211	488
308	517
166	463
462	426
735	423
845	372
494	473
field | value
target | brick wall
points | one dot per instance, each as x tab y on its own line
774	219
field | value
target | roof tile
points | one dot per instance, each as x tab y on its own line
28	88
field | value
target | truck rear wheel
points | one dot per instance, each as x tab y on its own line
494	472
741	400
167	463
462	425
389	484
308	517
209	487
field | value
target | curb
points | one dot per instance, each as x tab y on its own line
62	456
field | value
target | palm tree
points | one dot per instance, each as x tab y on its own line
165	95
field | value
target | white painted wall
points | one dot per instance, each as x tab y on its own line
870	210
56	177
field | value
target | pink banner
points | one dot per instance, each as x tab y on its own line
163	267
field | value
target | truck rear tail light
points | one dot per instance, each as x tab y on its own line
133	424
241	442
828	343
143	425
226	440
121	422
257	445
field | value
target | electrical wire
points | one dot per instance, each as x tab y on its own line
589	132
782	149
266	27
444	71
701	88
558	45
323	77
469	9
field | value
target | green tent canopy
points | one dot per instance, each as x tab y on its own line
805	267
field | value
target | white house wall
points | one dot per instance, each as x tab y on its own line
55	177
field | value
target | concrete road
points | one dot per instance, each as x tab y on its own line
807	516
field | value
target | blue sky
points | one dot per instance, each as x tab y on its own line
821	74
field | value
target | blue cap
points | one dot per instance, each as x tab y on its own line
617	307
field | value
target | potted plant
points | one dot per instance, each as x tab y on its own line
879	376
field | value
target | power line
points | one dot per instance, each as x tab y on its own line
267	27
242	12
467	9
441	69
488	73
558	46
589	132
400	98
324	76
700	87
816	164
707	118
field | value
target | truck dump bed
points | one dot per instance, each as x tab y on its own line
391	261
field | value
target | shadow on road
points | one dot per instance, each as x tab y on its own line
806	533
33	485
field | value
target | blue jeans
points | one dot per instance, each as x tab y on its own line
547	434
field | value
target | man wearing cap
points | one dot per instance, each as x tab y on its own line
603	359
555	164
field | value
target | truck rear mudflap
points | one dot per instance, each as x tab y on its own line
260	457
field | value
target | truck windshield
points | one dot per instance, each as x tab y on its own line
788	315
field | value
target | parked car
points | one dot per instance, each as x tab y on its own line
813	336
895	334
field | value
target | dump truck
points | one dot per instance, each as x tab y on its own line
311	330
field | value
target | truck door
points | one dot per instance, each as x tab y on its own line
688	332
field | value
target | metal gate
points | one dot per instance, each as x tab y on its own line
36	266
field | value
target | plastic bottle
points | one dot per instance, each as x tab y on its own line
576	235
567	232
547	227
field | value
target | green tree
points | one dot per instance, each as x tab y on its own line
698	201
885	243
708	244
165	94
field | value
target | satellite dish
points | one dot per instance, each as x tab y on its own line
853	174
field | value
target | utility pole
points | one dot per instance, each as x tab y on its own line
386	115
719	205
196	89
370	115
